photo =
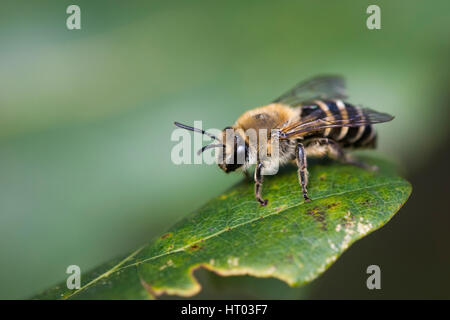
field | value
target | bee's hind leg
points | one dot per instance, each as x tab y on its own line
346	158
258	184
302	170
336	152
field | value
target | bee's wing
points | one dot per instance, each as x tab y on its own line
316	122
321	87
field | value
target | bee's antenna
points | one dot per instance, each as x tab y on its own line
210	146
183	126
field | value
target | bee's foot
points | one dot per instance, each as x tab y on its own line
263	203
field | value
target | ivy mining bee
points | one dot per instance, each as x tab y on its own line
310	120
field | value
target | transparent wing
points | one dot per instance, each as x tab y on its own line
316	122
321	87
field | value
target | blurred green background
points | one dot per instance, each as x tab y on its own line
86	117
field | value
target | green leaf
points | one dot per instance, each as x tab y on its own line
232	235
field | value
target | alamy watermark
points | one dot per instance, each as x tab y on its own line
374	280
73	21
373	21
74	279
229	149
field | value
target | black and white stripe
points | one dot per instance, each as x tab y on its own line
356	137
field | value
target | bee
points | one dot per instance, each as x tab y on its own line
310	120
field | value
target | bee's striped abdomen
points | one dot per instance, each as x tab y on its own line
361	136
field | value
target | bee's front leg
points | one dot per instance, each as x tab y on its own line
258	184
302	170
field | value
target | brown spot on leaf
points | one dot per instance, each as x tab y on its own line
165	236
195	247
332	205
319	216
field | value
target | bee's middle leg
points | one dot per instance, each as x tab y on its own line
302	170
258	184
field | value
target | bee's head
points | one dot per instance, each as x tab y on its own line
234	153
232	148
